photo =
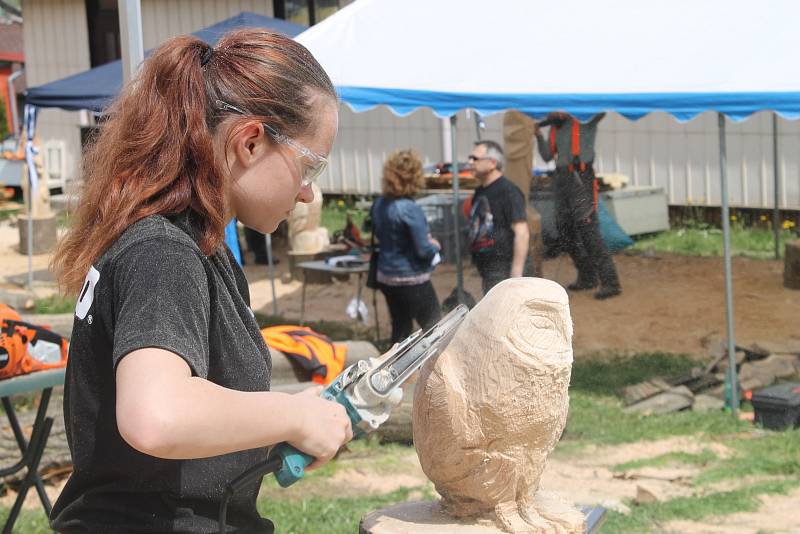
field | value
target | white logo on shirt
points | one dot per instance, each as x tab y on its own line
86	297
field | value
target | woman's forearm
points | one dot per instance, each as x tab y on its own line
163	411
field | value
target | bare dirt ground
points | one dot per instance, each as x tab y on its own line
589	479
669	303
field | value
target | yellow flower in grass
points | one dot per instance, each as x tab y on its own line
733	218
340	203
763	218
788	224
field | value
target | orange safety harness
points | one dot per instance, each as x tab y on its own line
313	352
576	155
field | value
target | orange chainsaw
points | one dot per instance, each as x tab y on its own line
26	347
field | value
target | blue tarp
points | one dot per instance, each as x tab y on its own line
94	89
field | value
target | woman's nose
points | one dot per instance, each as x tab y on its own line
306	194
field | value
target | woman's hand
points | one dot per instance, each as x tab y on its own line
324	426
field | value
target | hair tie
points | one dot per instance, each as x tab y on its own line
206	56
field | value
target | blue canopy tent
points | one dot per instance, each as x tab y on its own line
681	57
95	88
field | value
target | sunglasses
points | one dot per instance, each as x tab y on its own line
313	164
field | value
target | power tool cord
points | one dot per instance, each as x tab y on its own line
270	465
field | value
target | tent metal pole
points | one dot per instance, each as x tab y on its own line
776	213
130	27
726	241
30	234
456	225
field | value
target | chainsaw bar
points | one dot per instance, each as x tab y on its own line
415	351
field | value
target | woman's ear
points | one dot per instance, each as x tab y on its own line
249	145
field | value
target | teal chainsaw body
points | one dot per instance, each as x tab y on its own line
370	389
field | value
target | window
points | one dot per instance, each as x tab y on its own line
102	19
306	12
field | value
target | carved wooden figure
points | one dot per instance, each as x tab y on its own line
493	405
306	235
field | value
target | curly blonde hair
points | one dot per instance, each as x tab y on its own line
402	174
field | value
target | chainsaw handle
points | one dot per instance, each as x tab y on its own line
293	464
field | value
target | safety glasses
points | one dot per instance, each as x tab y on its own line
313	164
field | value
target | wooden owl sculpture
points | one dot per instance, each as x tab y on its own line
493	405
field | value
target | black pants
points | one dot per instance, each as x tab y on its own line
256	242
494	274
579	231
409	303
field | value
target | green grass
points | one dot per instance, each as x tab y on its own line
29	521
769	454
761	462
771	459
332	516
700	459
334	216
604	374
700	239
7	213
596	414
55	303
648	517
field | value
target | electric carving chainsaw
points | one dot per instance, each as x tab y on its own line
369	390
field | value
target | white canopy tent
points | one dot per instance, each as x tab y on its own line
682	57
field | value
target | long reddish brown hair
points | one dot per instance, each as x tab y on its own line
155	151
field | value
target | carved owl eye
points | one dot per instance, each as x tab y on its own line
542	328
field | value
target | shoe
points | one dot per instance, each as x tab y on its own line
607	293
581	286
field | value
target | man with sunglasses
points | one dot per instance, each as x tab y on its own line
499	232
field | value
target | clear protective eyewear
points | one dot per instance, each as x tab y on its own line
313	164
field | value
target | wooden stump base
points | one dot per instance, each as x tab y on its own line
422	517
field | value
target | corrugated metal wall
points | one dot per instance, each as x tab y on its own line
656	150
56	45
682	158
162	19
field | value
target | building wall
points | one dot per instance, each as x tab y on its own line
655	150
682	158
162	19
57	45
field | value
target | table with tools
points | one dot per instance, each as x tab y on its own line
355	266
42	383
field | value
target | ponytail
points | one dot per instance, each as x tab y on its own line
155	151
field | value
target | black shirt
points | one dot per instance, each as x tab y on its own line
494	209
155	288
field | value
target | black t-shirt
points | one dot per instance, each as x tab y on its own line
155	288
494	208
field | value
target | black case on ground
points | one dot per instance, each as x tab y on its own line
778	407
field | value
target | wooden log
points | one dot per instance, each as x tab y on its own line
398	428
791	265
676	399
422	517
